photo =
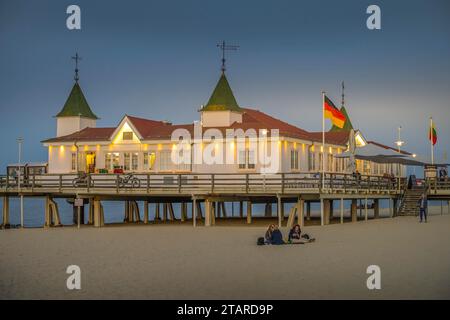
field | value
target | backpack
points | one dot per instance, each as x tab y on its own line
260	241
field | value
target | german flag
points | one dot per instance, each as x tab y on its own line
333	113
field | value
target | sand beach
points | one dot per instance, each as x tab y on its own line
223	262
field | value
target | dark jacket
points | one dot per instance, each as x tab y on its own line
423	203
277	237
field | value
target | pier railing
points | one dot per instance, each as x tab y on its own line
438	184
173	183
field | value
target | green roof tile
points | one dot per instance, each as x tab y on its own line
76	105
222	98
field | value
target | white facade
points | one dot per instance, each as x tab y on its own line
220	118
69	125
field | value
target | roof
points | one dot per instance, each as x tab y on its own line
161	130
76	105
390	148
222	97
335	137
86	134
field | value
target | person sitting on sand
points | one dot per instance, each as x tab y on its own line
268	235
273	235
296	236
277	236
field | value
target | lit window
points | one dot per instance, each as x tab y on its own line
246	159
74	161
134	161
127	135
127	161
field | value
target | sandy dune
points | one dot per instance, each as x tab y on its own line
223	262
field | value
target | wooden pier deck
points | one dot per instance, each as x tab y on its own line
210	189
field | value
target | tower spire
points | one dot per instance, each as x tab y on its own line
224	47
343	95
76	58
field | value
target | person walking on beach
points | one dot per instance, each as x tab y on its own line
423	206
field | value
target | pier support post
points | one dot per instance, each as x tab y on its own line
366	216
213	212
146	212
394	208
126	216
331	211
249	212
308	210
165	212
279	210
75	214
326	211
208	212
353	210
157	217
376	208
51	213
5	220
194	211
390	208
268	210
199	211
183	213
300	213
322	212
342	210
91	211
171	212
241	209
98	213
224	210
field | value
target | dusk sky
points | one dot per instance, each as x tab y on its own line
158	59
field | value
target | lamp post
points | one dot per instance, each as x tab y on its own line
399	144
264	133
20	142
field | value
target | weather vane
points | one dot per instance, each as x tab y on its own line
224	47
76	58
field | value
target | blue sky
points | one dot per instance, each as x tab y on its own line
158	59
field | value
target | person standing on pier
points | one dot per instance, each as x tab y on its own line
423	205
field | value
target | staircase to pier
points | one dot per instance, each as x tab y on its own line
409	203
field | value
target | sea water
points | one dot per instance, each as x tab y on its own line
34	210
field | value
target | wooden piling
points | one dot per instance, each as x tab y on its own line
300	212
157	213
146	212
308	210
183	213
171	212
208	212
376	208
353	210
326	211
5	220
249	212
241	209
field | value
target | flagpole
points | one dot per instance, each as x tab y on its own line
323	139
431	140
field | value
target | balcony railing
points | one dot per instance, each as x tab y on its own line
202	183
